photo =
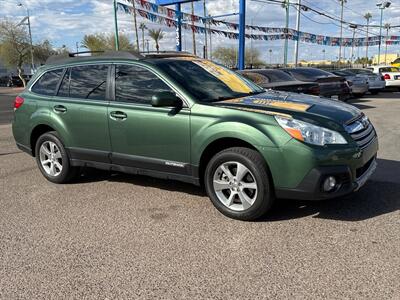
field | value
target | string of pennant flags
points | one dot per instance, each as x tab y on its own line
167	16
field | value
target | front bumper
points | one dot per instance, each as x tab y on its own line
311	186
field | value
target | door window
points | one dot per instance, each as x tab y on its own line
47	84
137	85
85	82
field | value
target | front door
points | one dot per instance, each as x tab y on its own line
143	136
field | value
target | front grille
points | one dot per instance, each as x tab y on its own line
362	132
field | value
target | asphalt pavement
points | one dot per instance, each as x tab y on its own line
115	236
7	96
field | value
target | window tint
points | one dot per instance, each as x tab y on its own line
276	75
47	84
136	84
388	69
256	77
85	82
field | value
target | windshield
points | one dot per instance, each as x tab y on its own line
207	81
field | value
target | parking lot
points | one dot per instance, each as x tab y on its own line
123	236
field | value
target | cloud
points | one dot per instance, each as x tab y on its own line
67	21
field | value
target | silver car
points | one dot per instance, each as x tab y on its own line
376	82
358	83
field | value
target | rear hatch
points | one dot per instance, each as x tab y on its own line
332	85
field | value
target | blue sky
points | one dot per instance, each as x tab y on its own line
67	21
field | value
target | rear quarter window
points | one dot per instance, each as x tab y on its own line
47	83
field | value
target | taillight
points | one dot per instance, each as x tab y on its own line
386	77
18	102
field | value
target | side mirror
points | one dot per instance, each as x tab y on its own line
165	99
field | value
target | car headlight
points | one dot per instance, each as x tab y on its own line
309	133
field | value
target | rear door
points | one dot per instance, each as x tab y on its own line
143	136
80	109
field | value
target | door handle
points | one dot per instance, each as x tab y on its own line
118	115
60	109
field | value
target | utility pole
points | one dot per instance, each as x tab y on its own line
354	27
28	18
285	58
387	26
193	33
342	2
205	30
210	50
116	26
296	48
368	17
381	6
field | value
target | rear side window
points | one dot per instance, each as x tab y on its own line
136	84
47	84
85	82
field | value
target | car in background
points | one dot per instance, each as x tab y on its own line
358	83
281	81
396	63
330	85
376	81
390	74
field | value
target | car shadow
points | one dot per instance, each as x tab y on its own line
360	103
381	195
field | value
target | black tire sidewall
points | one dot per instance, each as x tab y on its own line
264	198
64	176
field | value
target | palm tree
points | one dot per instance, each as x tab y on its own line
142	26
156	35
368	17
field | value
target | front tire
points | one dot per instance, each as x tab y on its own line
238	183
53	160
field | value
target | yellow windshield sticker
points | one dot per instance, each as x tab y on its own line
234	82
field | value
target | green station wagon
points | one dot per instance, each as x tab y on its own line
176	116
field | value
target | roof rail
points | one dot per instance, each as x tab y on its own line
73	57
166	54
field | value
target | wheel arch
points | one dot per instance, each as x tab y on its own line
219	145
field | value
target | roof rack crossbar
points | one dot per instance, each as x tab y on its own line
74	57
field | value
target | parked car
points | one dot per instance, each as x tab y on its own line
185	118
376	82
15	81
279	80
390	74
4	80
358	82
396	62
330	85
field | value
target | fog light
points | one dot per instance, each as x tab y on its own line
329	184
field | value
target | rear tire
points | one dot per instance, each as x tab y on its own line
237	181
53	160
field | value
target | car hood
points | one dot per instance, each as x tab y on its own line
295	104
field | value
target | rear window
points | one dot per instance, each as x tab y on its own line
47	83
85	82
389	69
276	75
361	71
307	74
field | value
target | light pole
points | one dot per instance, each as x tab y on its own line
28	18
342	2
368	17
354	27
116	26
205	30
323	52
381	6
387	26
296	48
286	5
270	57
